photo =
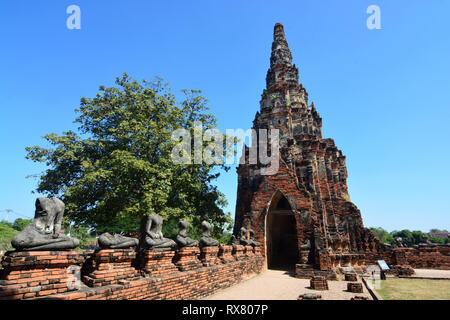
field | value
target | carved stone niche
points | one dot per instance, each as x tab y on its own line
305	250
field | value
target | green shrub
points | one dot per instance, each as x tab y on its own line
6	234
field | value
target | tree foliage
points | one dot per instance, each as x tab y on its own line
438	231
6	234
383	235
117	168
20	224
409	238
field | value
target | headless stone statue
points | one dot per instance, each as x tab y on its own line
43	233
243	237
306	245
182	237
207	240
153	237
318	240
233	240
399	242
427	242
252	240
116	241
305	250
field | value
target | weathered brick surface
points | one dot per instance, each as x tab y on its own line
238	252
157	263
248	251
187	258
32	274
226	254
111	266
209	256
303	271
403	270
351	277
318	283
355	287
103	265
433	257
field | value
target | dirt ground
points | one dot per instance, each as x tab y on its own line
281	285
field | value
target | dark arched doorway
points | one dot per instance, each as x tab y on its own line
281	234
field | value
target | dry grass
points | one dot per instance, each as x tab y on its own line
413	289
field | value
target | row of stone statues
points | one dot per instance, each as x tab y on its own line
244	239
153	238
43	233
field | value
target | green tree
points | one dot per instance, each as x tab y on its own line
78	232
417	236
406	235
439	240
20	224
438	231
117	168
6	234
383	235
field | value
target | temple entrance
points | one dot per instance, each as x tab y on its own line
281	235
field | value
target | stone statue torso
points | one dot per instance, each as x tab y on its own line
43	233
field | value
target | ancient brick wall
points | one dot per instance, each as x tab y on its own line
425	257
432	257
125	274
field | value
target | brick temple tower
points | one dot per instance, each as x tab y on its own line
302	215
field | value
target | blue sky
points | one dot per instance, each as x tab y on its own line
383	94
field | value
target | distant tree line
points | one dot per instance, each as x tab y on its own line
409	238
9	229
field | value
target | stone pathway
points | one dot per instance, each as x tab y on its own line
429	273
280	285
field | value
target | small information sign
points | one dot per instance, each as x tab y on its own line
383	265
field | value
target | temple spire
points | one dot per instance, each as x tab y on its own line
278	32
281	68
280	48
